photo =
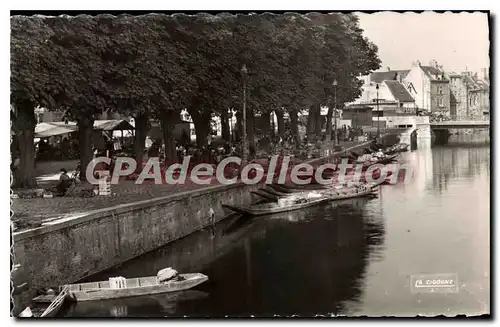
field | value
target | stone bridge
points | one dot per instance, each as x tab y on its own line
462	124
441	130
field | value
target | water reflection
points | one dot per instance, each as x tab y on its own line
146	306
443	228
458	163
268	265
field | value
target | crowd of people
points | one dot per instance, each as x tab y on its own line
66	148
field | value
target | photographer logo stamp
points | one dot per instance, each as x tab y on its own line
434	283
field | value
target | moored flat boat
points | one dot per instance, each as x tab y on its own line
259	211
273	192
326	196
385	160
133	287
401	147
265	195
305	187
56	303
280	188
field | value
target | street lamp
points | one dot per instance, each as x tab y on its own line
378	115
334	84
230	114
244	73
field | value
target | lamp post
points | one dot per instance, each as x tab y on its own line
244	151
378	116
335	137
231	128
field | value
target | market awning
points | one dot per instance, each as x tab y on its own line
50	129
101	125
113	125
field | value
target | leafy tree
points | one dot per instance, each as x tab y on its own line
30	86
153	66
77	43
211	61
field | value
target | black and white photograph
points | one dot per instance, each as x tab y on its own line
238	164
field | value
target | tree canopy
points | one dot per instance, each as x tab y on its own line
155	65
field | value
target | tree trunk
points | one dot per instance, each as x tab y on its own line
311	123
250	131
224	119
167	128
329	123
281	123
294	122
320	122
239	126
202	129
141	131
266	125
24	125
85	138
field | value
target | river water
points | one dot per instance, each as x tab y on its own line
350	258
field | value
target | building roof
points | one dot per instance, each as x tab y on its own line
483	85
379	77
399	92
433	72
357	106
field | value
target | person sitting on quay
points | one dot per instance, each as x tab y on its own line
64	183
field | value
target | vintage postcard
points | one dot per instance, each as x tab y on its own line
239	164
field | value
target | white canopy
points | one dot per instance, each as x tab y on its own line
59	128
50	129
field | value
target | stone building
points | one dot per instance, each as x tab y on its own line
391	92
470	96
430	87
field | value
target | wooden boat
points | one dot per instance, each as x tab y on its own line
384	160
387	159
265	195
56	303
270	208
280	188
134	287
274	192
401	147
296	188
306	187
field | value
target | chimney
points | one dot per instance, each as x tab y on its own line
484	74
388	69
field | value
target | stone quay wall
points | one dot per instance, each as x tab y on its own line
70	250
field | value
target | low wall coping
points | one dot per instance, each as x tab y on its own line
76	219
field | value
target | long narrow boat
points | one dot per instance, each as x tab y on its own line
296	188
280	188
384	160
56	303
265	195
301	188
270	208
401	147
133	287
274	192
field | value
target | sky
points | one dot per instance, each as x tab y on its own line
455	40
